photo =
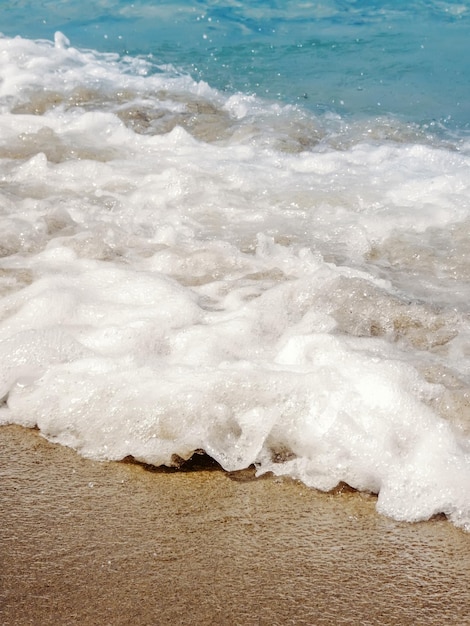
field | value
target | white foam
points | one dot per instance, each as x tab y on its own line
162	294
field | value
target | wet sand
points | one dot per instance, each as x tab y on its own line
83	542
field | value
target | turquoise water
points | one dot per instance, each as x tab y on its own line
353	57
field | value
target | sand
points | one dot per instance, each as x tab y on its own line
83	542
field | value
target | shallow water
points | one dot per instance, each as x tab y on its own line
196	264
348	56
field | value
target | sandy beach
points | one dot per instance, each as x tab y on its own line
84	542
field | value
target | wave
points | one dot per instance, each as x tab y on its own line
185	269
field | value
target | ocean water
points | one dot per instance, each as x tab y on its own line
244	229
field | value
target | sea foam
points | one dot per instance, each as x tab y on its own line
183	270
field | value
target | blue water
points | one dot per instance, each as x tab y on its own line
352	57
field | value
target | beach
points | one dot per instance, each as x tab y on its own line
234	241
84	542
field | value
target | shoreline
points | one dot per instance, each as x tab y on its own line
86	542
